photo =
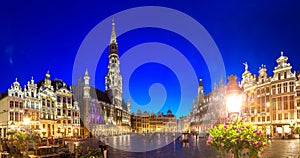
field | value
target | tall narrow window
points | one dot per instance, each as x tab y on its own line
285	102
279	88
286	116
273	89
58	99
285	87
11	104
292	102
279	103
279	116
48	103
11	116
291	86
285	75
17	116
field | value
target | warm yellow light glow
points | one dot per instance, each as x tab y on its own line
234	103
267	104
26	121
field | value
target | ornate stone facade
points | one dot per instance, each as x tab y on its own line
48	104
273	102
145	122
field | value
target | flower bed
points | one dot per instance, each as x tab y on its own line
239	139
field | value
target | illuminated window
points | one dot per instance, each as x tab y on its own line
279	116
286	116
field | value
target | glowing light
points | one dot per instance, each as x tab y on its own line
234	103
26	121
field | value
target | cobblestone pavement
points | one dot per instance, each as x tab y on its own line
288	148
277	148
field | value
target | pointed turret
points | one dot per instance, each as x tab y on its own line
113	46
86	77
200	87
86	88
113	38
47	80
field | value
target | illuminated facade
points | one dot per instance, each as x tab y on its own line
208	109
183	123
104	113
48	104
145	122
272	102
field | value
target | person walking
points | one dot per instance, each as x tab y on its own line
187	145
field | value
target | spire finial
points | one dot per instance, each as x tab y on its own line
113	38
86	72
281	53
200	82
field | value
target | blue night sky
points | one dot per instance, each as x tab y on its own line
39	36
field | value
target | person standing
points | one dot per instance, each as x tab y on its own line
187	145
104	151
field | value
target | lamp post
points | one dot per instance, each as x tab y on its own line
233	98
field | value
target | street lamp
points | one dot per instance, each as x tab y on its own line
26	121
233	97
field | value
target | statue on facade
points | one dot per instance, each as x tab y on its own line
246	66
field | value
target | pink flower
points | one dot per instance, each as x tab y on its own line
222	144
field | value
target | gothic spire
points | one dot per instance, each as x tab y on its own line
86	72
113	38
